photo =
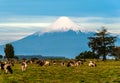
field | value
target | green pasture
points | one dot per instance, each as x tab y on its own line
105	72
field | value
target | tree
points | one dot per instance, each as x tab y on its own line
86	55
1	56
102	43
9	51
116	53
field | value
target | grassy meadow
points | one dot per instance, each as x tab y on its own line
105	72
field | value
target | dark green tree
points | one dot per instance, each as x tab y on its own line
86	55
116	53
9	51
102	43
1	56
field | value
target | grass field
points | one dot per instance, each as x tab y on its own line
105	72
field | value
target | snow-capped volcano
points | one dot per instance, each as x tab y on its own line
64	24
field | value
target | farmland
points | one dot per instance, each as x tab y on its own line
105	72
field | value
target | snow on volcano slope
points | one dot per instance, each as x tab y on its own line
64	24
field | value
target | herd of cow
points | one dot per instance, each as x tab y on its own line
6	66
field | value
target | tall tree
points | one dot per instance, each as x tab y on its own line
9	51
102	43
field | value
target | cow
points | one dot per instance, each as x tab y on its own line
24	66
70	63
6	67
40	62
47	63
74	63
78	63
29	61
92	64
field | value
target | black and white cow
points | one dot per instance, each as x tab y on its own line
71	63
41	63
6	67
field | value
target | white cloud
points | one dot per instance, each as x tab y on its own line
95	23
30	19
113	28
14	31
107	20
24	25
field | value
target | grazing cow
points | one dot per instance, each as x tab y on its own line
29	62
6	67
41	63
78	63
24	66
47	63
73	63
91	64
70	63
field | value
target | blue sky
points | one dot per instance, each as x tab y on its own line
60	7
20	18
